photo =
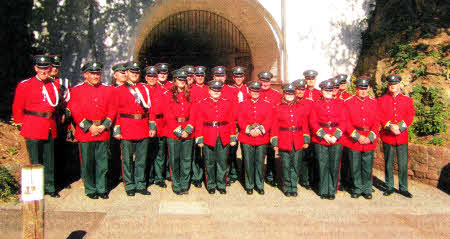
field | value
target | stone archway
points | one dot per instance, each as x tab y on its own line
252	21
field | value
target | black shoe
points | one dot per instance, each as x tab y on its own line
131	193
249	191
228	184
324	196
185	191
331	197
68	186
103	195
178	193
307	187
161	184
197	184
260	191
406	194
92	195
388	192
143	192
212	191
287	194
53	194
294	194
222	191
233	180
355	195
367	196
340	188
373	190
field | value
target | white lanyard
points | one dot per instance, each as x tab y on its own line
46	96
139	94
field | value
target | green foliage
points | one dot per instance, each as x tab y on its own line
437	140
402	54
380	89
12	151
8	185
422	47
418	72
431	112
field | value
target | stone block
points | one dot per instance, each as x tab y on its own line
433	176
410	172
420	167
420	175
417	153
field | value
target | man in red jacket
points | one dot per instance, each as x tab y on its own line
254	120
311	92
133	129
199	91
35	102
362	130
307	161
92	109
342	94
215	131
274	97
397	114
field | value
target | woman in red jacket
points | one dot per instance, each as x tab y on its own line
289	136
179	133
328	121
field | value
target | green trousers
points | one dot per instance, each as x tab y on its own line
216	165
115	164
402	158
180	159
160	162
197	164
134	159
232	169
271	170
328	161
361	164
345	177
94	165
253	156
290	168
152	153
43	152
305	165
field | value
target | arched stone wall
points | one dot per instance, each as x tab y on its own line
256	24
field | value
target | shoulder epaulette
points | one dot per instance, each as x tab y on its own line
25	80
266	101
79	84
105	84
348	98
371	97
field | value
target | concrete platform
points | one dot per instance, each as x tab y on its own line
237	215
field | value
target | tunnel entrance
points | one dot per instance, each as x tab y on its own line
196	37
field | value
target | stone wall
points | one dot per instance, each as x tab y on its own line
427	164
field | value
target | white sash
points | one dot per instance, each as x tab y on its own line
47	97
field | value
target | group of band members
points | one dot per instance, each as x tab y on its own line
187	130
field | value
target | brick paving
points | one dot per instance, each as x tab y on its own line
237	215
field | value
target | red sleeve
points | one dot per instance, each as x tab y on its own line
274	131
267	122
19	103
313	122
197	121
242	117
233	120
411	112
112	104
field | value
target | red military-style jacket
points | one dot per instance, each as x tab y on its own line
89	105
29	97
242	92
163	87
133	118
199	92
395	110
178	117
214	118
271	95
254	114
362	118
159	98
343	95
230	93
290	126
313	95
327	117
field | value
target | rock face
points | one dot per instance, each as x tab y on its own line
427	164
422	27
